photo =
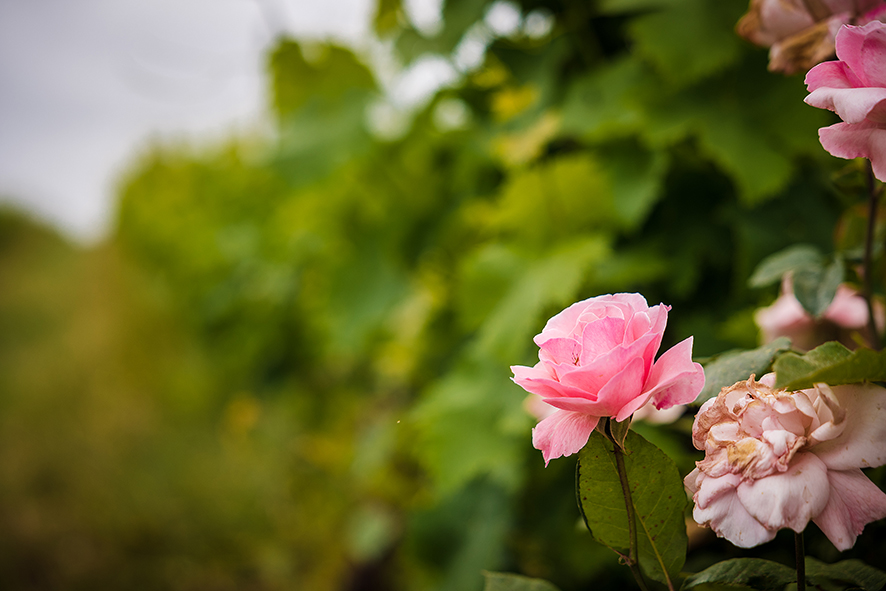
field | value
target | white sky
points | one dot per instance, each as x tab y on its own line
84	84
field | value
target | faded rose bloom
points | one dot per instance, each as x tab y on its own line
597	359
800	33
844	319
776	459
854	87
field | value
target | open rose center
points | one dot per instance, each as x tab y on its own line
754	431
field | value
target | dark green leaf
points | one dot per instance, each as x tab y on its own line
815	289
796	258
657	495
756	573
831	363
853	573
509	582
735	366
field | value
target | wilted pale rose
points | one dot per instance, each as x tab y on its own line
776	459
844	320
800	33
854	87
597	359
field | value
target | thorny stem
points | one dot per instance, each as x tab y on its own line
873	336
801	561
631	559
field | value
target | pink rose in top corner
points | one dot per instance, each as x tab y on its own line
597	359
844	320
776	459
854	87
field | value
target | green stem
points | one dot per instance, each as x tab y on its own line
801	561
632	525
873	336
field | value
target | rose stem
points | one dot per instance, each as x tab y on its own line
801	561
873	337
632	526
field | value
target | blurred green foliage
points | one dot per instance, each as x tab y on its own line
288	368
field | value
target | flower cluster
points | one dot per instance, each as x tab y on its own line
776	459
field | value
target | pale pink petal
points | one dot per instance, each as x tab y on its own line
862	140
593	376
863	441
563	434
538	380
729	518
625	387
833	74
600	337
675	378
853	105
564	323
873	54
559	350
848	309
848	43
855	501
709	489
788	499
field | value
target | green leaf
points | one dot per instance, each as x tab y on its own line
735	366
756	573
657	495
831	363
815	290
846	573
688	40
550	282
509	582
795	258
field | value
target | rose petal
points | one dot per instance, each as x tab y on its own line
853	105
862	140
675	378
729	518
854	502
788	499
624	387
562	434
861	445
538	380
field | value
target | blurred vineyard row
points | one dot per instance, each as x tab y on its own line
288	367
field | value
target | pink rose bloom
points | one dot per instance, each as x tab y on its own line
855	88
597	359
845	317
776	459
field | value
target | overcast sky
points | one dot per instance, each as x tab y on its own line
85	83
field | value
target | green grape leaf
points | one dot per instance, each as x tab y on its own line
657	495
735	366
815	290
688	40
800	257
846	573
755	573
831	363
509	582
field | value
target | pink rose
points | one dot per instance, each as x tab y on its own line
777	459
843	320
597	359
855	88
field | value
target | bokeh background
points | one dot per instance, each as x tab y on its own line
275	355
